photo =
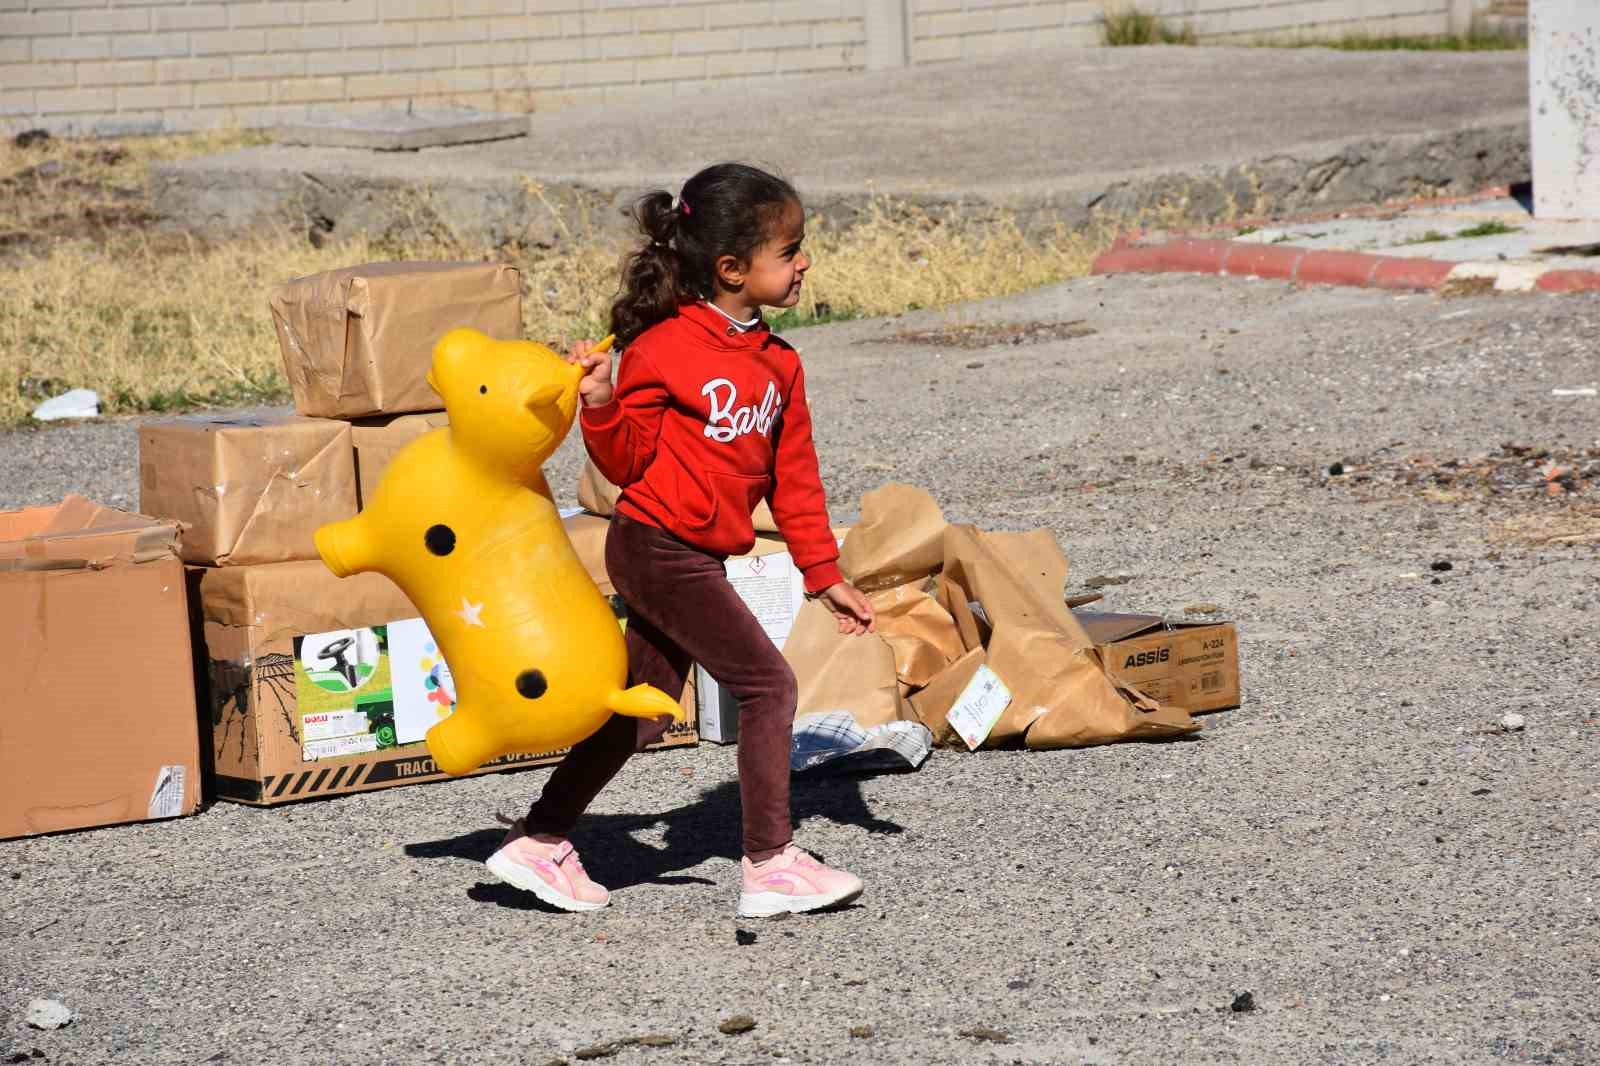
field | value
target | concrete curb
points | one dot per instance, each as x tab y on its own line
1319	267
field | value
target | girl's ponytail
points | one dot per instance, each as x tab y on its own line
651	275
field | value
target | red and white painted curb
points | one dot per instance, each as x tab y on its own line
1313	266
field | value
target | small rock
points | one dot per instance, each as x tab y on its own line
595	1051
657	1040
861	1032
1482	791
983	1032
1335	469
1513	722
743	937
74	403
739	1023
1440	566
974	366
1243	1003
1100	581
29	138
48	1014
1019	984
1201	608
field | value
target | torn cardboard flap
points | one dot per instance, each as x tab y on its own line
359	341
78	533
599	496
247	490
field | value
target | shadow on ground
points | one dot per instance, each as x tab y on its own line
707	828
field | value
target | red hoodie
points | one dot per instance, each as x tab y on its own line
706	421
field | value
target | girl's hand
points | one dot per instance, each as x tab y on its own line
594	388
850	608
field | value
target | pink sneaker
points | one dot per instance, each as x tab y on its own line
550	871
793	882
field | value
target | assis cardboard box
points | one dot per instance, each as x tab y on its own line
99	723
359	341
320	685
247	489
1192	665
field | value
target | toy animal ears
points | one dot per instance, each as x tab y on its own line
543	396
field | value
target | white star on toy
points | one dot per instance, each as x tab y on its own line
469	612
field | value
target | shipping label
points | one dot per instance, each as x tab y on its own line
979	707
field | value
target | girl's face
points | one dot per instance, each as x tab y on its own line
778	266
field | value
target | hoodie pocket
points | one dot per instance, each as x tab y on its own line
690	493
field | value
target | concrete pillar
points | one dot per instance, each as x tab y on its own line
888	34
1564	97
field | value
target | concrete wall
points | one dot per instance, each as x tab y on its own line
140	65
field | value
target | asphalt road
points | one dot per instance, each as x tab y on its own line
1390	875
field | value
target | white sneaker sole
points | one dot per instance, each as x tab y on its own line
769	904
518	876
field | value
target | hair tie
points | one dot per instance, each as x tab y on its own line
683	206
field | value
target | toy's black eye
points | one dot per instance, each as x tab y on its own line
483	390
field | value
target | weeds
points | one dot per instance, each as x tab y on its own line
161	321
1480	37
1130	26
1489	229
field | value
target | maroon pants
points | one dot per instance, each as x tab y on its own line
682	610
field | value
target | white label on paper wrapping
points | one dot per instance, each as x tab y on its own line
334	747
166	800
325	725
979	707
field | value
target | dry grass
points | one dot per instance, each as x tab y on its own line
158	321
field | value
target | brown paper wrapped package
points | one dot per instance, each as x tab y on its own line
1061	694
359	341
841	672
378	440
247	490
600	496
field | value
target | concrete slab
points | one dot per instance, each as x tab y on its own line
401	131
1055	133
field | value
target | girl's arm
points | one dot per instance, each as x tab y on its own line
622	432
797	500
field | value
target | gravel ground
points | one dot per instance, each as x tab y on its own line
1389	875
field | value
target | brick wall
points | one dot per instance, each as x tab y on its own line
136	65
115	65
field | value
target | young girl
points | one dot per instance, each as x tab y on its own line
708	417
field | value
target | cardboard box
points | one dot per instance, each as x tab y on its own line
321	686
250	489
359	341
377	441
99	724
1192	665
